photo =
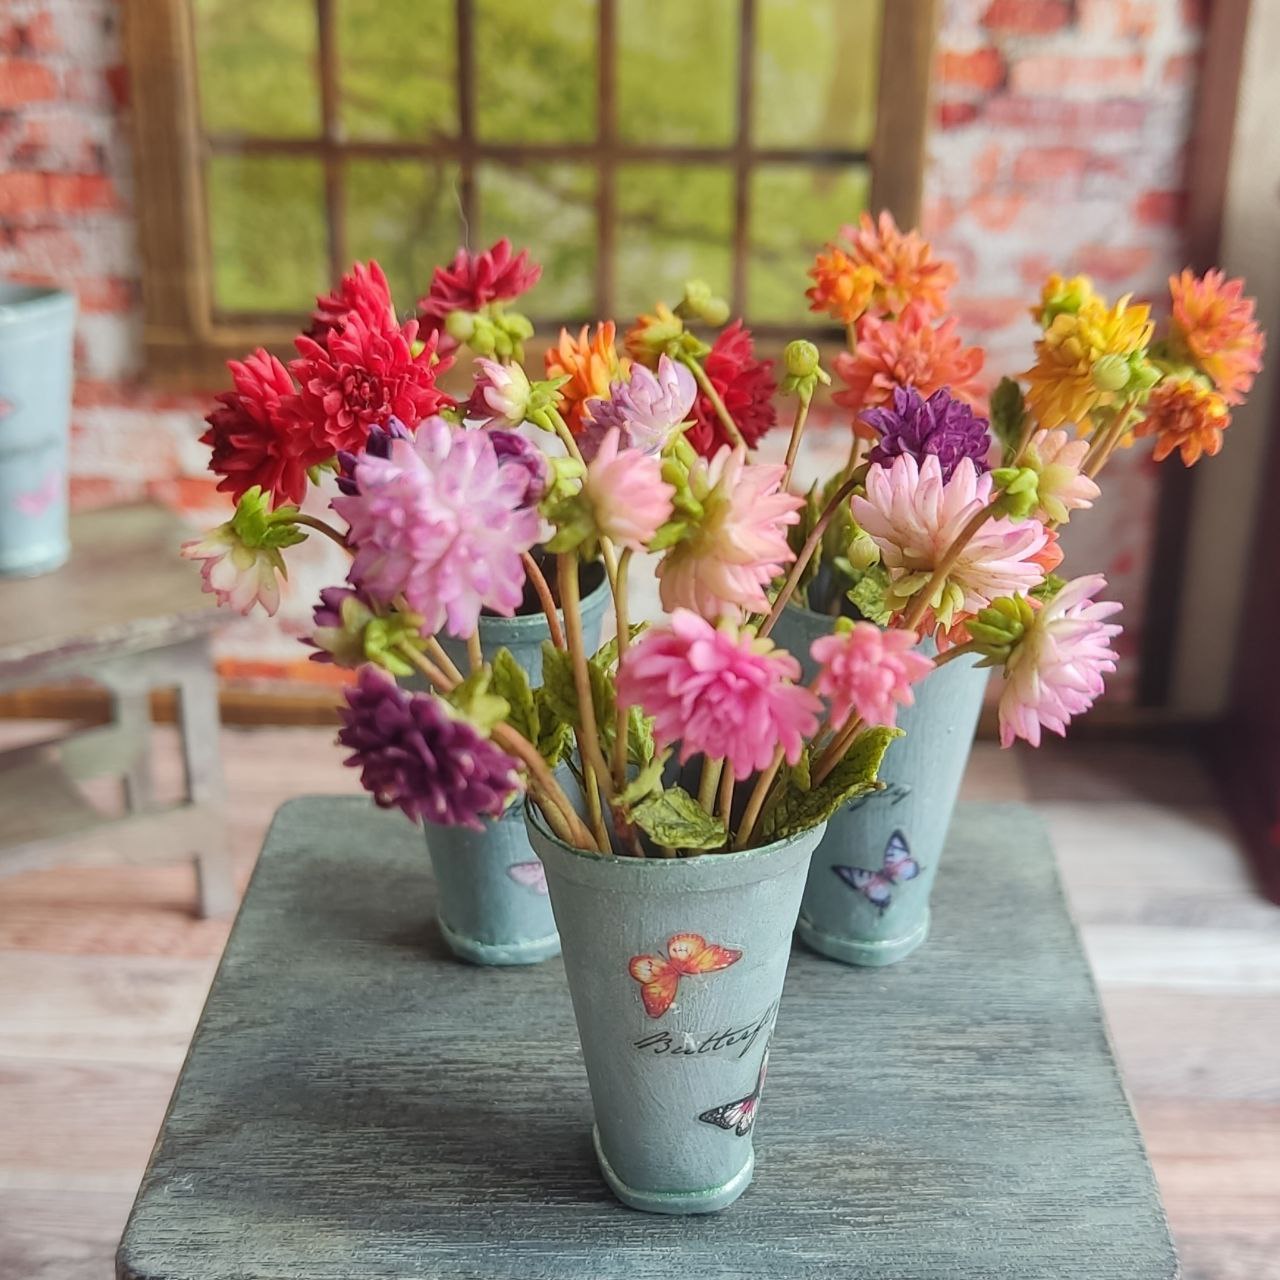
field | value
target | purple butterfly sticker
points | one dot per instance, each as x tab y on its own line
529	874
877	886
739	1115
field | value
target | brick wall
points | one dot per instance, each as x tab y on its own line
1059	143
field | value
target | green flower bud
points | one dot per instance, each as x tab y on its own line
998	628
460	325
800	358
1111	373
1019	490
257	527
699	303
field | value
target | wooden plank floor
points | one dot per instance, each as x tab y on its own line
103	970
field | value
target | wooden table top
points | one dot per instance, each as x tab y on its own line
125	588
356	1103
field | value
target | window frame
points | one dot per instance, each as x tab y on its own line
186	342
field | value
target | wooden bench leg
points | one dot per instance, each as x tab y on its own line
132	712
198	701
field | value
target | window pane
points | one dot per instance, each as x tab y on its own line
677	71
398	62
267	232
257	67
674	222
405	214
550	210
795	209
820	59
535	70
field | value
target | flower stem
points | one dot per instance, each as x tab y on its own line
726	795
624	637
707	784
545	598
956	651
437	651
812	542
475	655
793	445
1102	448
920	601
836	750
755	802
320	526
726	418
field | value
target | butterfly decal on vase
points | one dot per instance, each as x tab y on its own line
35	501
532	875
739	1115
877	886
688	955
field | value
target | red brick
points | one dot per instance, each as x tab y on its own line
1051	73
1161	208
23	82
105	294
117	79
40	35
985	314
1114	264
1181	69
1061	117
1127	19
982	69
1026	17
951	115
81	192
1050	164
996	213
22	194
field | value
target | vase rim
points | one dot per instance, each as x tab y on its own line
21	303
497	629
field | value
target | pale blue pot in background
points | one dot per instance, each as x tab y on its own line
491	892
36	326
675	968
867	900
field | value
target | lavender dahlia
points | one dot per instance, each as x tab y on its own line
416	755
645	409
940	425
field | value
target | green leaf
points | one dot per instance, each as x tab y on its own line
607	654
869	595
675	820
1007	415
558	692
555	736
645	783
473	699
511	681
640	747
855	775
801	778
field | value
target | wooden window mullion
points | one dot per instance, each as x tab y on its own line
334	176
606	154
742	156
468	190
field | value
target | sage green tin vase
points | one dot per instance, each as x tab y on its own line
36	327
675	968
867	899
492	904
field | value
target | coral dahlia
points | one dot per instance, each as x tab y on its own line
1215	323
1185	414
906	274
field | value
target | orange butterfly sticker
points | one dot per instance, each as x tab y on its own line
688	954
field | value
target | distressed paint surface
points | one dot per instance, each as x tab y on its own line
357	1104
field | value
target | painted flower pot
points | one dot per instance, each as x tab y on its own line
35	418
867	900
492	903
675	968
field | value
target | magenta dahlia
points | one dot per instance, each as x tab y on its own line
472	281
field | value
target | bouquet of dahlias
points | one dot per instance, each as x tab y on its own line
694	733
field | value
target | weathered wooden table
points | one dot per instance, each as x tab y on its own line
126	613
356	1103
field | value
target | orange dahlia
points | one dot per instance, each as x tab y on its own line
1087	359
1186	414
649	338
906	352
590	363
842	288
1215	323
906	272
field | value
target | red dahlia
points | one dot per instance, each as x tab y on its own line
362	289
362	375
254	434
473	280
746	386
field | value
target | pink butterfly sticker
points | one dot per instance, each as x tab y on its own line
877	886
739	1116
530	874
36	501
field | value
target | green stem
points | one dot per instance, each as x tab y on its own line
920	601
475	655
836	750
535	575
320	526
624	637
707	784
755	802
726	418
793	445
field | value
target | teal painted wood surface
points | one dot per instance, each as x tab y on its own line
357	1104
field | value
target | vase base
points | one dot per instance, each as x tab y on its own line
32	566
865	952
529	951
708	1200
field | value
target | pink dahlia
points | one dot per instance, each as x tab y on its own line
362	289
914	517
629	499
740	544
442	522
646	408
472	281
239	576
719	692
255	436
1057	457
1055	671
867	672
363	374
501	393
745	384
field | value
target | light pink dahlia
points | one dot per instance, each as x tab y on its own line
501	392
239	576
1057	457
719	692
740	544
441	521
646	408
1055	671
630	501
914	518
867	672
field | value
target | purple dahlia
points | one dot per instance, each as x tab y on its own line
940	425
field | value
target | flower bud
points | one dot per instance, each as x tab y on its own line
997	629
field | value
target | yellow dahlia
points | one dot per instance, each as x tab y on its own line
1186	414
1059	295
1086	360
591	363
1214	322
